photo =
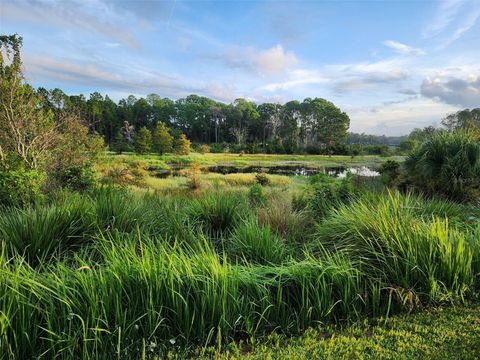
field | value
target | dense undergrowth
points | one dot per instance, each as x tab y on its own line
114	274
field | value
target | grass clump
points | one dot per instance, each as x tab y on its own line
255	243
216	214
425	260
39	233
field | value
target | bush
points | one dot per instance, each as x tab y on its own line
75	177
326	193
447	164
203	149
124	174
20	187
193	177
390	171
262	179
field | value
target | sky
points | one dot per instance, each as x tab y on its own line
391	65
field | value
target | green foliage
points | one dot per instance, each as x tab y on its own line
216	214
143	141
38	233
389	170
20	187
75	177
183	145
162	140
447	164
326	193
119	143
256	195
423	260
106	273
255	243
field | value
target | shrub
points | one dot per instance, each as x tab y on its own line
193	177
203	149
75	177
447	164
326	193
389	170
262	179
20	187
124	174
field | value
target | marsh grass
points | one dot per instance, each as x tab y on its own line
252	242
125	275
385	237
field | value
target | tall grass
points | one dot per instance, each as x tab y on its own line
255	243
162	272
39	233
147	295
388	242
217	214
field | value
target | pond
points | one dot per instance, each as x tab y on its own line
288	170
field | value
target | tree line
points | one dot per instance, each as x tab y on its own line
310	124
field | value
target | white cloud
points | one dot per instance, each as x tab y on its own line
398	117
275	60
345	77
95	16
272	61
452	19
444	16
403	48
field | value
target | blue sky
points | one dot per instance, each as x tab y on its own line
391	65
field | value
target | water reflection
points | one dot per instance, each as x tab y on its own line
288	170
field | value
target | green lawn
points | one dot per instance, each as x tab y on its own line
444	333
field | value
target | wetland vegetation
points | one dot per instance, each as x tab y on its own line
102	256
